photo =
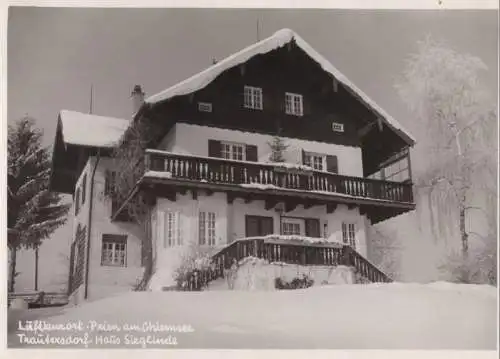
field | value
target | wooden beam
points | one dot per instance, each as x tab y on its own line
363	210
309	204
270	203
290	206
363	131
168	194
335	85
331	207
380	124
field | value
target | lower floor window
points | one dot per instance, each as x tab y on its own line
173	229
349	234
114	250
206	234
292	227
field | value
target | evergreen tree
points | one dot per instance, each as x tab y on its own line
278	147
33	211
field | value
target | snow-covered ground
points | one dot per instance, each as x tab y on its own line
375	316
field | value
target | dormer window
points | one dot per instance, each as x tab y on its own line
294	104
252	97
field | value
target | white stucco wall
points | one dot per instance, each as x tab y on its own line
230	222
105	280
180	140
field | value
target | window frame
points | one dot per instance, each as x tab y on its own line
114	240
292	106
173	234
207	228
312	163
205	107
253	97
232	146
349	234
293	221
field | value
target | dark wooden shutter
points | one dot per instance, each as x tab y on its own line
267	226
251	226
312	227
84	188
332	164
214	148
251	153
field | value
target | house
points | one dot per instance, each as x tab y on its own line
205	175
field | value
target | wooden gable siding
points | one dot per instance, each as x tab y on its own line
277	72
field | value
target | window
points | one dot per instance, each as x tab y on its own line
84	188
109	182
173	229
337	127
293	104
252	97
292	226
349	234
397	171
204	107
114	250
206	233
257	226
232	151
315	161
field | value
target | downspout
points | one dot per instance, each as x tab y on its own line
89	232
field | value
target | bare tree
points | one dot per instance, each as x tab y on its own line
441	87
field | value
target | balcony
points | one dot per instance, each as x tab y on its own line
164	173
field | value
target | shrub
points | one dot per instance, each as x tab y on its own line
195	270
295	283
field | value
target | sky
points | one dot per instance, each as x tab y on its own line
56	54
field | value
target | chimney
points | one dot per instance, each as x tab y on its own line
137	98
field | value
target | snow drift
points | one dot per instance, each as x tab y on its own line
374	316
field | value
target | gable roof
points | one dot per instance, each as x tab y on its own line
84	129
277	40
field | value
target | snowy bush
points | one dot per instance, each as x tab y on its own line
195	266
295	283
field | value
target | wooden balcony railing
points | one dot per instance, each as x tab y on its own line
303	254
268	175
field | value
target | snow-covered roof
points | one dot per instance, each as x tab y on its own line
91	130
277	40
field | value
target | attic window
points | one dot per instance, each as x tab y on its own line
204	107
337	127
252	97
294	104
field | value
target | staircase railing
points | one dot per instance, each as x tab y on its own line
327	254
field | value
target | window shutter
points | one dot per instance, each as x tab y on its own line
332	164
312	227
251	153
84	188
214	148
267	226
303	158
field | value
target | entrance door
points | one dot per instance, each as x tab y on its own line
258	226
